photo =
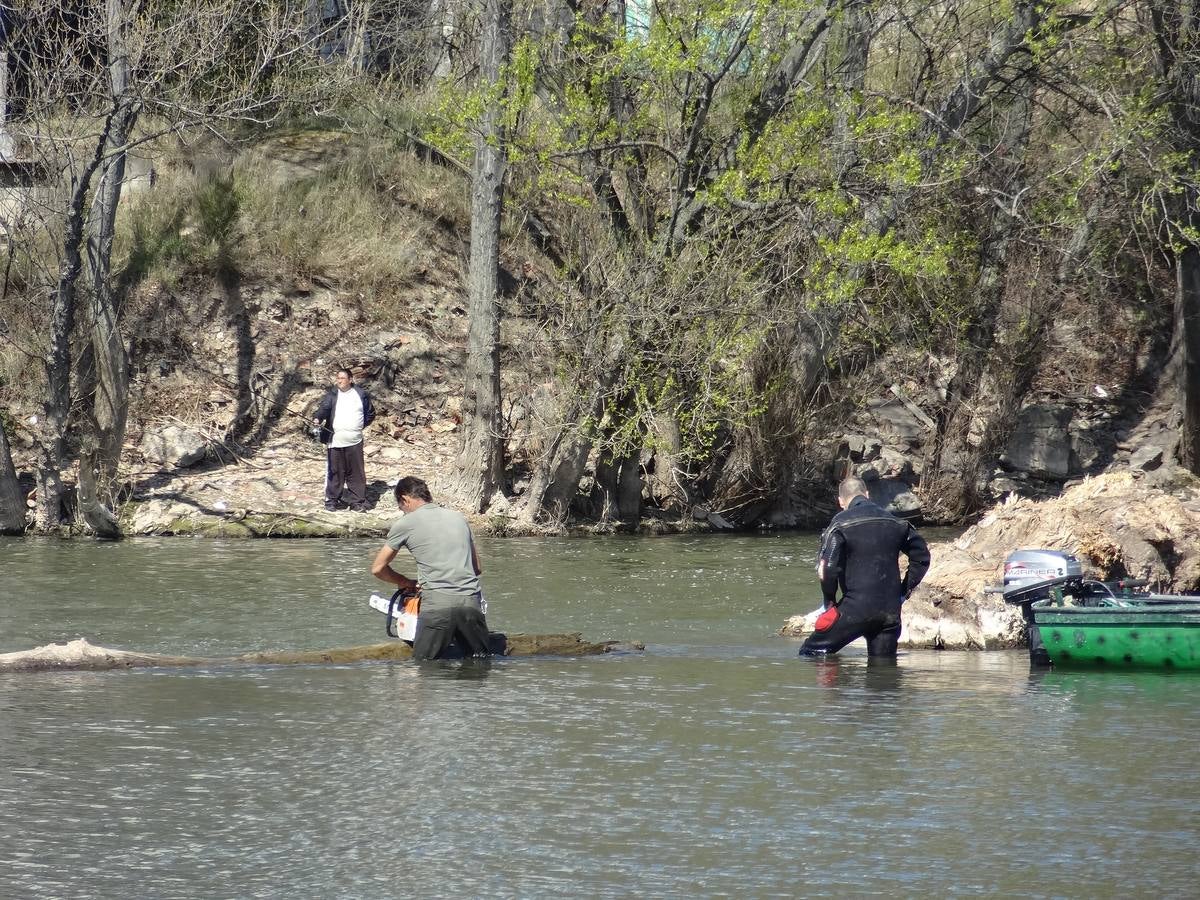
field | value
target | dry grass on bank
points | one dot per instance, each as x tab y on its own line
355	210
365	220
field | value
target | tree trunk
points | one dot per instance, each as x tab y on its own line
629	488
1185	354
443	24
106	377
953	467
80	655
666	485
619	487
634	171
608	472
556	481
52	432
238	318
359	50
1176	28
12	503
481	465
109	357
556	477
96	515
950	454
1019	359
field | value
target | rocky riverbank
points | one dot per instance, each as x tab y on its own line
279	491
190	467
213	450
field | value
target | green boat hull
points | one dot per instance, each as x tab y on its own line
1135	635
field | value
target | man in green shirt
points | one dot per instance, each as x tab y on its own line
440	541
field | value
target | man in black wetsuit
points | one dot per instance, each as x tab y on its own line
860	554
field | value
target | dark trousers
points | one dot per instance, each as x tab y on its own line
346	476
451	633
881	628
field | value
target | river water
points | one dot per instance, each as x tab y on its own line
714	764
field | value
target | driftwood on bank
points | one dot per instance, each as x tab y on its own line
80	655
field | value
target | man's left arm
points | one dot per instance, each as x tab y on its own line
383	570
368	409
917	552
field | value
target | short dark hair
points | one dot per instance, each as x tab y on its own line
852	487
411	486
349	374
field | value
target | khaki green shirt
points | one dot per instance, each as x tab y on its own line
439	539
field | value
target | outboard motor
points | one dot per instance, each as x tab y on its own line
1037	572
1031	575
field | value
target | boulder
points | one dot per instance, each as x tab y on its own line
898	420
893	464
174	445
1040	443
1002	485
894	495
1087	449
1146	458
155	516
861	449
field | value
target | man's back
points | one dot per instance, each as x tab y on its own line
440	541
860	554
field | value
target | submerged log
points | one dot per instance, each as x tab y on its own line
80	655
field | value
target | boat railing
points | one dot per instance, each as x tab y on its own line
1124	593
1073	590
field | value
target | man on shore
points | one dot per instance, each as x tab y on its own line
860	555
448	570
343	414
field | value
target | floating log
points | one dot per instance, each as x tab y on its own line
80	655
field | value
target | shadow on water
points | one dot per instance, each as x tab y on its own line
468	669
1158	683
881	674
